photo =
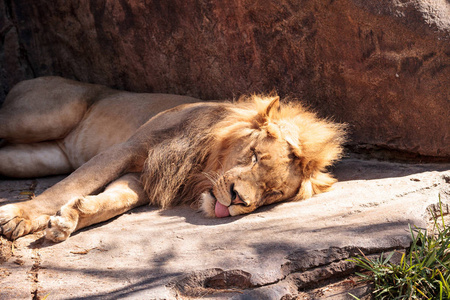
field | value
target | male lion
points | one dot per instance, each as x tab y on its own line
228	158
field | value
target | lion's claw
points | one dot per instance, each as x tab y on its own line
9	220
22	228
15	228
14	224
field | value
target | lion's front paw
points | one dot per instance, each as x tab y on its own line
14	222
59	228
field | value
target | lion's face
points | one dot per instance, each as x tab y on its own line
259	170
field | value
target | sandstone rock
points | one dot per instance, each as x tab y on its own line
14	64
381	66
270	254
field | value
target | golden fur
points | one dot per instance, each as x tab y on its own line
227	158
184	173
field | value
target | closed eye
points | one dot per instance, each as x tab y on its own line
254	156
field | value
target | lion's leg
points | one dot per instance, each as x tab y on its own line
120	196
33	160
43	109
22	218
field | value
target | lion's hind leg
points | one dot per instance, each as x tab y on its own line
33	160
43	109
120	196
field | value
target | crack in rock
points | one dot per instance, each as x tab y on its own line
302	260
303	270
311	277
417	190
34	273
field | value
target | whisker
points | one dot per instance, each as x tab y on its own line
213	177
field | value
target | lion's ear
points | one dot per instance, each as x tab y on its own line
271	106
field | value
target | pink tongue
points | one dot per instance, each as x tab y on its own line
221	210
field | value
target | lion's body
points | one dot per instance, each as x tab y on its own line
154	148
76	121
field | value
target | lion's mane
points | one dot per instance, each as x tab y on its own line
181	162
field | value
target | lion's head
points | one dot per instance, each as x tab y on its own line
274	154
241	156
260	169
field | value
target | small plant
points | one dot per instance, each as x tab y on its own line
423	271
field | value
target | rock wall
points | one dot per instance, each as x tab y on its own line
381	66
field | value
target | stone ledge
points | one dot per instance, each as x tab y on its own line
275	252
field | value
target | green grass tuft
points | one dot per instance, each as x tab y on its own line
423	271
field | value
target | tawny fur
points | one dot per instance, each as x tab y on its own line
230	157
178	170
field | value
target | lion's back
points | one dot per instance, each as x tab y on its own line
114	119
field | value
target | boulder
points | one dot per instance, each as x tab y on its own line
380	66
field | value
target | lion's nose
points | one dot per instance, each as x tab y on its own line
233	192
235	197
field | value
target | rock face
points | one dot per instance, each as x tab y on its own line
381	66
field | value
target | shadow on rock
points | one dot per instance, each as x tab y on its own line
195	217
357	169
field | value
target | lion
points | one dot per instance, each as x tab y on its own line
125	150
